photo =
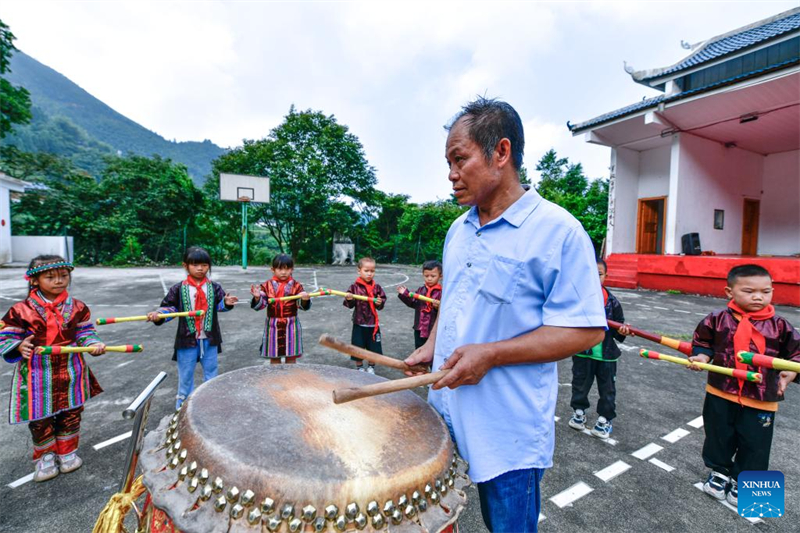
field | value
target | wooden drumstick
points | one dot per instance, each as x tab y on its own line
374	358
385	387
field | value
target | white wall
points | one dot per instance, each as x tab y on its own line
779	227
5	226
654	172
714	177
27	247
623	194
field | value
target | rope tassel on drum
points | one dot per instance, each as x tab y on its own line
735	373
143	318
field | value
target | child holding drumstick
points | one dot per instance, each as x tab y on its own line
738	416
198	338
366	326
48	391
425	312
282	341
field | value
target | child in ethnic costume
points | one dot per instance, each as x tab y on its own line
599	362
198	339
424	312
739	415
48	391
366	326
283	337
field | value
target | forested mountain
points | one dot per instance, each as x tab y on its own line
70	122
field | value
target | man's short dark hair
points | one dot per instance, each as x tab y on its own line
489	120
432	264
746	271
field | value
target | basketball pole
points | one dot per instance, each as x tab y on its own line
244	235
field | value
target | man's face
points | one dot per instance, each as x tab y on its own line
472	177
751	293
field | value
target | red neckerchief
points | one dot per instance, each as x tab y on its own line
370	288
200	301
605	295
428	291
53	317
746	333
280	293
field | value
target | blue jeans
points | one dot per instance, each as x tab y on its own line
187	360
510	503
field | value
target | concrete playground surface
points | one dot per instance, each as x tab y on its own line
644	478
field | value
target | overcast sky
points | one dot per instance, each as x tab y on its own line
394	72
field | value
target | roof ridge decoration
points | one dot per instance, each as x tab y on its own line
726	43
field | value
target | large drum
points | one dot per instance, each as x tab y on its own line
266	449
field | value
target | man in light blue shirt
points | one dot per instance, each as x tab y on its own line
520	292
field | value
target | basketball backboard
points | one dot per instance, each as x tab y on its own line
239	188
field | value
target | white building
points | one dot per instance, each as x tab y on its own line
717	155
7	186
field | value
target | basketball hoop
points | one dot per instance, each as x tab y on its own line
245	190
245	199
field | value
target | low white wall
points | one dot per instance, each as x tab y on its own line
5	226
779	227
26	247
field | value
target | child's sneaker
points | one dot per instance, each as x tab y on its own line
602	428
715	485
46	468
578	420
360	368
69	462
370	369
732	493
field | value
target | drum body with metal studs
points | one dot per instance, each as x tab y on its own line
266	449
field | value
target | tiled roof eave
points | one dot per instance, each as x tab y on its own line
654	102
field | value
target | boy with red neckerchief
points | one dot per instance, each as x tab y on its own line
739	416
366	325
198	339
425	312
48	390
282	341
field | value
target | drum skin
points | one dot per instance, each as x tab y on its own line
265	449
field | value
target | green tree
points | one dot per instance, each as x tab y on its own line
15	102
312	162
424	228
565	184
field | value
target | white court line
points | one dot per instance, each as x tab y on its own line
628	348
556	418
609	440
21	481
316	285
682	311
576	491
701	314
662	308
541	517
699	485
696	423
399	282
115	440
643	305
125	363
7	374
661	465
647	451
675	435
612	471
163	284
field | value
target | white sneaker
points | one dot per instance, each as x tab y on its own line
715	485
361	369
602	429
69	462
370	369
578	420
732	495
46	467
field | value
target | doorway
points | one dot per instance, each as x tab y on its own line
650	226
750	215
